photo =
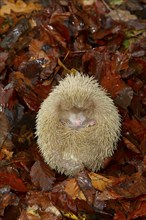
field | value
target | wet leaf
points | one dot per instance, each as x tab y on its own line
42	176
40	42
7	199
99	182
5	140
40	206
6	94
9	177
127	187
85	185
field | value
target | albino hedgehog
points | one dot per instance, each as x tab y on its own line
77	125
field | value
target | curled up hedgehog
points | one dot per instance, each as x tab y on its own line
77	125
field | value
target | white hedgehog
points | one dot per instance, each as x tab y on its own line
77	125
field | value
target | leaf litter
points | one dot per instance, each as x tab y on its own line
39	41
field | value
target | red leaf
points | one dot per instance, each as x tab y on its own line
10	178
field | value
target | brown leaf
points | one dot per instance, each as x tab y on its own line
32	95
138	209
9	177
42	176
113	83
119	215
137	127
7	199
39	206
125	187
4	131
72	189
131	146
32	214
3	58
124	97
63	201
85	185
23	160
100	182
6	94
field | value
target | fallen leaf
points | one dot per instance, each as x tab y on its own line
121	15
127	187
72	189
41	176
40	206
131	146
9	177
85	185
100	182
5	141
7	199
6	94
19	7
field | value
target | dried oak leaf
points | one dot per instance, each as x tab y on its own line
9	177
41	176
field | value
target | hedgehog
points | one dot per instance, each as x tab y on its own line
77	125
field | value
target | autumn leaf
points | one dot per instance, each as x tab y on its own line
18	7
10	178
39	42
6	94
127	187
42	176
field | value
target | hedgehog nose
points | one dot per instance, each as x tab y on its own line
78	122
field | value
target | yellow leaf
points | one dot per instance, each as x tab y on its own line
99	182
18	7
73	190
